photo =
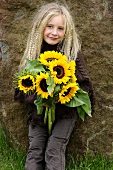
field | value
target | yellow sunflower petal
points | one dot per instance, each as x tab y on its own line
41	87
48	56
68	92
26	83
60	71
72	65
73	79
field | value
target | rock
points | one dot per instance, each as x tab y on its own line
93	20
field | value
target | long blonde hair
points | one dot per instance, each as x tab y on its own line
71	43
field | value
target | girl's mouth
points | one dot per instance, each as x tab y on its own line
52	38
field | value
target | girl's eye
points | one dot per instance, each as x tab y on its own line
49	26
60	28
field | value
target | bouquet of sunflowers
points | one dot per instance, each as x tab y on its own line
53	78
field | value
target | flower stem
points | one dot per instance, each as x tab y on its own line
46	114
49	120
53	113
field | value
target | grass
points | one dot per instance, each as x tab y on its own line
11	159
91	162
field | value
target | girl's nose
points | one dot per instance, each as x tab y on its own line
54	32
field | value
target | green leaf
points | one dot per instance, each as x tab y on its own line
50	80
81	112
50	88
82	95
35	66
39	104
32	63
82	102
49	102
38	69
87	109
57	89
50	83
74	102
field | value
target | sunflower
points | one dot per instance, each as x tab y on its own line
26	83
73	78
60	71
41	85
48	56
72	65
68	92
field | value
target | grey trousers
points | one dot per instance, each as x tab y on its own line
49	151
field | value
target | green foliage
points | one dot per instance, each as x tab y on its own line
34	66
82	102
14	159
50	83
91	162
39	104
57	88
10	159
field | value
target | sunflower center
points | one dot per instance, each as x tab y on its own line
27	82
67	92
43	85
60	71
50	59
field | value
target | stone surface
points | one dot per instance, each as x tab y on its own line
94	22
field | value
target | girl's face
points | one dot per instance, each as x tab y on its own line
54	30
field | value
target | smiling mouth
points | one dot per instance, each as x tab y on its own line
52	38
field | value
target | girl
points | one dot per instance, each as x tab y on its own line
53	29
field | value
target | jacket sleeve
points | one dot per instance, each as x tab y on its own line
22	97
83	77
33	117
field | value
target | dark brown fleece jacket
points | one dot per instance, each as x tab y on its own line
61	111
